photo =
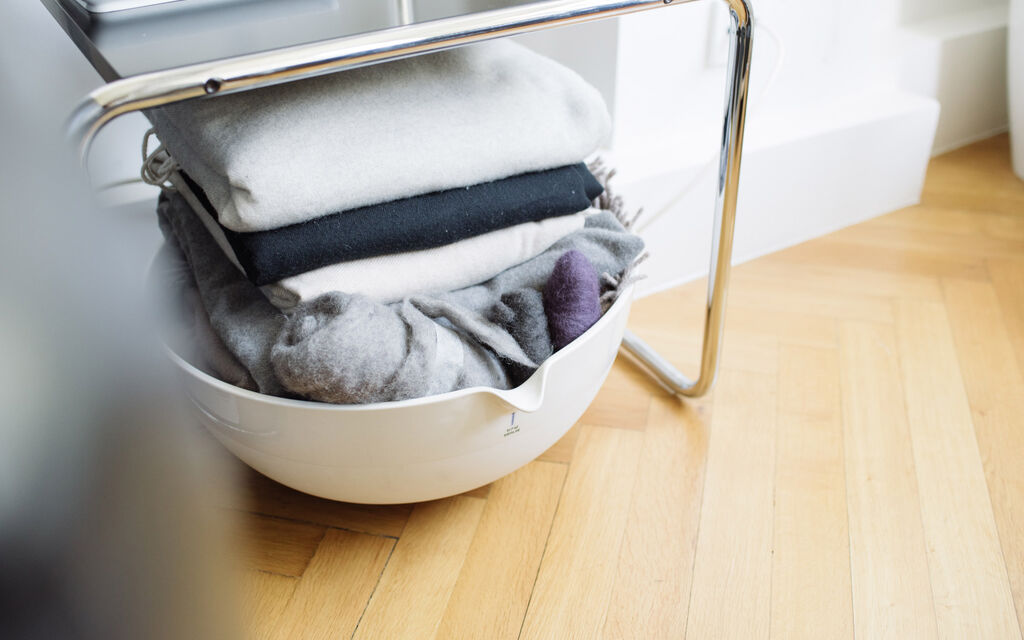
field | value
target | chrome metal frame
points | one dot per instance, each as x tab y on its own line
303	61
107	6
725	220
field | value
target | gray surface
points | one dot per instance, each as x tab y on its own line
125	43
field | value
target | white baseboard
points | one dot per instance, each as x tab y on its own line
948	145
872	160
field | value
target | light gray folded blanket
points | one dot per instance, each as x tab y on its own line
291	153
347	348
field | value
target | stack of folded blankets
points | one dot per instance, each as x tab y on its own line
394	231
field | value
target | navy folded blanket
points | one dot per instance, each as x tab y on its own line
411	224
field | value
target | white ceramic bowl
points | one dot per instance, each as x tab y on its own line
412	450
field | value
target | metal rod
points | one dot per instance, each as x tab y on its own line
266	68
725	219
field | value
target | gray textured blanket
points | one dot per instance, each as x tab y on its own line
347	348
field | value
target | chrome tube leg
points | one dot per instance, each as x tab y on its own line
83	125
725	218
405	12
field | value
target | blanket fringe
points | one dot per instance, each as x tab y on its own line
617	284
610	201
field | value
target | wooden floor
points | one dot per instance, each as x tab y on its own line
858	471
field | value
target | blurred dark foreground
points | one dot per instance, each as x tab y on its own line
103	533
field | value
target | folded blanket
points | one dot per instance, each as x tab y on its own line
347	348
411	224
324	355
290	153
427	354
603	241
452	266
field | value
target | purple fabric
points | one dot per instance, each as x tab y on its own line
572	298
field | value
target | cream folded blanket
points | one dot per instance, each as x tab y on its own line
291	153
393	277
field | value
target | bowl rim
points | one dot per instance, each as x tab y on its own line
624	299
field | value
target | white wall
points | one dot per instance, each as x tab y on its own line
959	58
832	137
916	11
848	100
949	50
